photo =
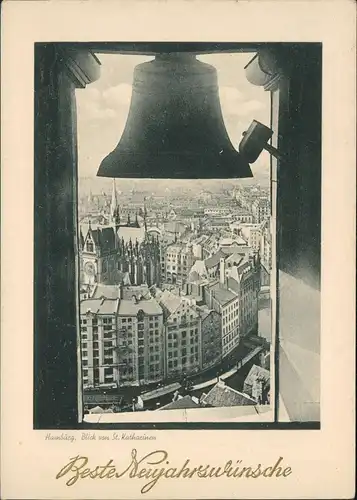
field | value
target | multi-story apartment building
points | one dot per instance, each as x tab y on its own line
244	280
217	223
140	341
245	217
211	344
265	245
252	233
261	210
182	334
226	303
98	332
235	298
122	341
210	245
177	262
219	211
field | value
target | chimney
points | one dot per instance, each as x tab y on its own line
222	271
221	383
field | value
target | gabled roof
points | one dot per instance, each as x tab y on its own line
170	301
236	241
197	270
214	260
182	403
104	238
81	239
223	395
257	372
138	290
235	258
131	307
221	293
160	391
102	306
107	291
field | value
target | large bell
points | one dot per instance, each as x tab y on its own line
175	126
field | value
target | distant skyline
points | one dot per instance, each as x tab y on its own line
102	109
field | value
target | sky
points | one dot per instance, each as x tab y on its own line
102	107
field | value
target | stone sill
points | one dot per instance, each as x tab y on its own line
228	414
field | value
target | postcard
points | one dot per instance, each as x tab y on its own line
178	254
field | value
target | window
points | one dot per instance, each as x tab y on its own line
89	246
71	322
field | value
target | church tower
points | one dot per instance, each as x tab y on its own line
114	207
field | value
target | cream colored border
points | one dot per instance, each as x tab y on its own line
321	461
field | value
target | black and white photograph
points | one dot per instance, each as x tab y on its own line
186	253
178	249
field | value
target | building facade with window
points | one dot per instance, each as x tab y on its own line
98	342
122	342
252	233
226	303
141	349
107	253
261	210
211	343
177	262
182	334
265	245
243	279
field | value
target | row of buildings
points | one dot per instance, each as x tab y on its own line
160	299
136	335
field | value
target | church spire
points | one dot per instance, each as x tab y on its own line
114	203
